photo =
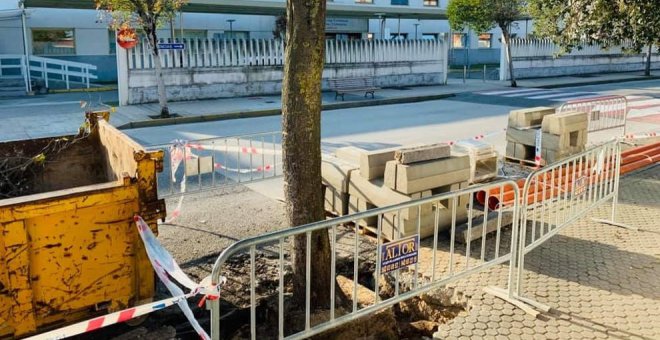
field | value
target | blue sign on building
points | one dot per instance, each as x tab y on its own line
171	46
399	254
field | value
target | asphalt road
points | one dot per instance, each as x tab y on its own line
460	117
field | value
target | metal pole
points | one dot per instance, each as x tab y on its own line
464	73
28	80
416	26
398	30
484	73
181	36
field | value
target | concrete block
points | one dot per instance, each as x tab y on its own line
423	153
483	159
524	118
411	178
379	195
335	201
392	225
559	124
372	163
525	137
574	139
335	173
447	203
476	231
350	154
357	204
519	151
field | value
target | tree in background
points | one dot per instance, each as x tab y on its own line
301	143
606	22
280	27
484	15
147	15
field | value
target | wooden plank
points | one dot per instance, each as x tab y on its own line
422	153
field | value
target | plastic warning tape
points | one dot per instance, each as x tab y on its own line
642	135
110	319
478	137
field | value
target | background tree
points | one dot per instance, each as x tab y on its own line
147	15
484	15
301	142
279	32
606	22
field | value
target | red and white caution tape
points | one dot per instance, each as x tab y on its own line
478	137
166	269
642	135
110	319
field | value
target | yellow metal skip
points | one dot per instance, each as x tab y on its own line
72	254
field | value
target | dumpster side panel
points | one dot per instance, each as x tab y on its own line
18	288
72	257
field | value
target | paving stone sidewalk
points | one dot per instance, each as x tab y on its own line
601	281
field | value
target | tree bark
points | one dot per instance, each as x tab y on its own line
647	68
301	144
162	95
506	37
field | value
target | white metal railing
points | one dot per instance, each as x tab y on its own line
55	69
606	112
446	211
206	164
263	52
557	196
525	48
48	69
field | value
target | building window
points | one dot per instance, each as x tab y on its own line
458	40
432	3
400	2
53	42
429	36
364	1
485	40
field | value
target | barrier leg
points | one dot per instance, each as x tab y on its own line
615	198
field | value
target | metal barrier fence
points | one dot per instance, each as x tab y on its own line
607	112
558	195
194	166
453	213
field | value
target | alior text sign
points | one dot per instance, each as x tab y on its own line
399	254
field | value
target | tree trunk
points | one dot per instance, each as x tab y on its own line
162	96
647	68
506	37
301	144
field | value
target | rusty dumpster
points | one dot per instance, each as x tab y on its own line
69	250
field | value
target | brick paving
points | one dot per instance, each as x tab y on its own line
601	281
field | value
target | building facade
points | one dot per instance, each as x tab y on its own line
82	35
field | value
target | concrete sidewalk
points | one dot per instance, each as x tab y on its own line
136	116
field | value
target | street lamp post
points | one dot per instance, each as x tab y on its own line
231	27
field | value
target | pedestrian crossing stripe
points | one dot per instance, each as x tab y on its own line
635	102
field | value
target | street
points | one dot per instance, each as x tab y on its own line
460	117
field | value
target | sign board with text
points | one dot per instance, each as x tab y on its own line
171	46
399	254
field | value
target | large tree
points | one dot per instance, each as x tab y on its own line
301	142
147	15
606	22
484	15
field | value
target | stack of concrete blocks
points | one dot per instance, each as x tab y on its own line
521	132
388	177
483	159
564	135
